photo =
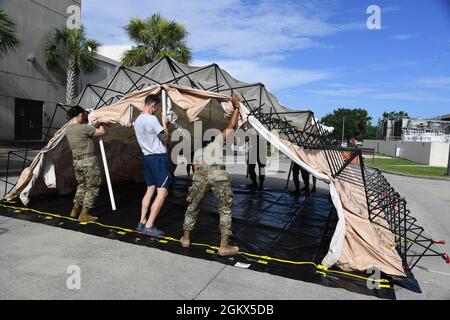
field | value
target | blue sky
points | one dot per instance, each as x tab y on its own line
316	55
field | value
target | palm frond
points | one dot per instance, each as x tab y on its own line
137	56
52	53
87	55
8	40
184	53
134	29
159	37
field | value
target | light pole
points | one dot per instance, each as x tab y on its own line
343	130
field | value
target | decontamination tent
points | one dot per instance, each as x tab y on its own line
357	243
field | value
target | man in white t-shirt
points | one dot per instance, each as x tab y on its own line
152	138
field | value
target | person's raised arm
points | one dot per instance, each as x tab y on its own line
232	124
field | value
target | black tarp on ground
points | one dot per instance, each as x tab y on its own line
276	232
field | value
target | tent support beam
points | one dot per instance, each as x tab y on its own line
382	200
289	176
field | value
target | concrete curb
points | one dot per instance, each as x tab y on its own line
414	176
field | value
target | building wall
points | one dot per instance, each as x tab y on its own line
105	68
416	151
36	21
430	153
439	153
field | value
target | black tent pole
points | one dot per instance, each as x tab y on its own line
289	175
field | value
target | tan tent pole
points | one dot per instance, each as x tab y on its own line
108	178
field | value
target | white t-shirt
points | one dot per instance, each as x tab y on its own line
147	128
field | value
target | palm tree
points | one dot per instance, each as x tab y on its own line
8	39
156	37
72	48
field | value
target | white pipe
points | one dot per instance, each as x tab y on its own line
164	102
108	178
169	109
169	105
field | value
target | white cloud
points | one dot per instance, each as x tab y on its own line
225	28
274	77
410	96
391	65
344	91
436	82
402	36
113	52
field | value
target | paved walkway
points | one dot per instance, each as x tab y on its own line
34	261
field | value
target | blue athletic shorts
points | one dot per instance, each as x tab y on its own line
157	170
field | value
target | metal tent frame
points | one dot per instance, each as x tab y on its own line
412	243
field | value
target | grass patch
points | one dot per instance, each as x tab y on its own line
405	166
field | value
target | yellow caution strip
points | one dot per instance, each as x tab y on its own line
321	269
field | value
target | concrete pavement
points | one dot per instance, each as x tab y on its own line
34	261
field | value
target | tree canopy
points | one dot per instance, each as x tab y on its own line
357	123
71	48
156	37
8	39
395	114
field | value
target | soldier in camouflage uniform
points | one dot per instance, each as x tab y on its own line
210	174
87	172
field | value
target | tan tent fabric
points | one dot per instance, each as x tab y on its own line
315	158
167	70
191	100
365	244
34	169
124	156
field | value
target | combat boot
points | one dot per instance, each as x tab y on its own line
225	249
86	217
75	211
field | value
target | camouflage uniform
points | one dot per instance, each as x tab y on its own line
219	182
211	175
87	173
